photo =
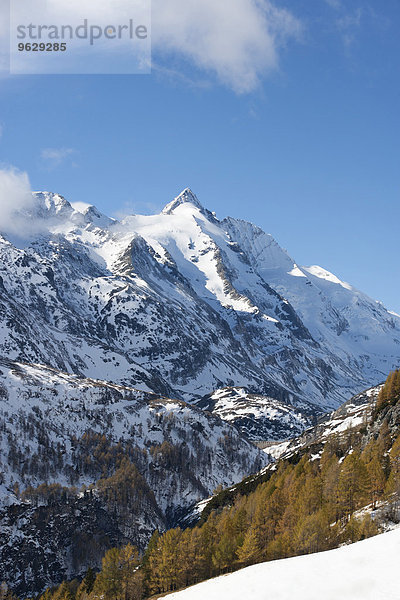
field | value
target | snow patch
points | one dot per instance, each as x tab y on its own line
324	274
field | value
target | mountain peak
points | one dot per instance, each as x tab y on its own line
91	214
50	204
185	197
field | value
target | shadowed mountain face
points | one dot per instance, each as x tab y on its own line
181	304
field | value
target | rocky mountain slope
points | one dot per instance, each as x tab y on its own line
52	424
356	420
353	416
61	536
257	417
99	438
181	304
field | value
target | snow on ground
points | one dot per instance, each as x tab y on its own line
275	450
367	570
70	406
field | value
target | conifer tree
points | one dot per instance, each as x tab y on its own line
89	580
312	533
392	489
63	592
224	554
108	581
377	478
352	485
249	552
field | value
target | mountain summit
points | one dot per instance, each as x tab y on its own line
185	197
182	304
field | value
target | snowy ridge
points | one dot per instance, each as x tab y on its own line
352	415
181	304
186	196
257	417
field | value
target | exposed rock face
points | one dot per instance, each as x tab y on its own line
181	304
57	541
258	417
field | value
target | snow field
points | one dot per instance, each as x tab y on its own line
367	570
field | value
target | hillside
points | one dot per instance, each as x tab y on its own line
339	484
352	416
366	570
342	487
141	459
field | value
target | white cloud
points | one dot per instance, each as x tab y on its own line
236	40
55	156
80	206
16	204
136	207
24	215
349	20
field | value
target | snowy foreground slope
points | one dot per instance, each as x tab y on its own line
366	570
182	304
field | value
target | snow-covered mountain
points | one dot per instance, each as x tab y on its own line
142	459
344	573
51	422
181	304
147	339
257	417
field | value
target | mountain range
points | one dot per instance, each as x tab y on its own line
139	360
182	304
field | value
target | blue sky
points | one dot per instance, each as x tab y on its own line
301	137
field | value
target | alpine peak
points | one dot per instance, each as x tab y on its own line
185	197
51	204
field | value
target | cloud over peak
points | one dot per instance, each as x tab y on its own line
24	215
55	156
16	203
